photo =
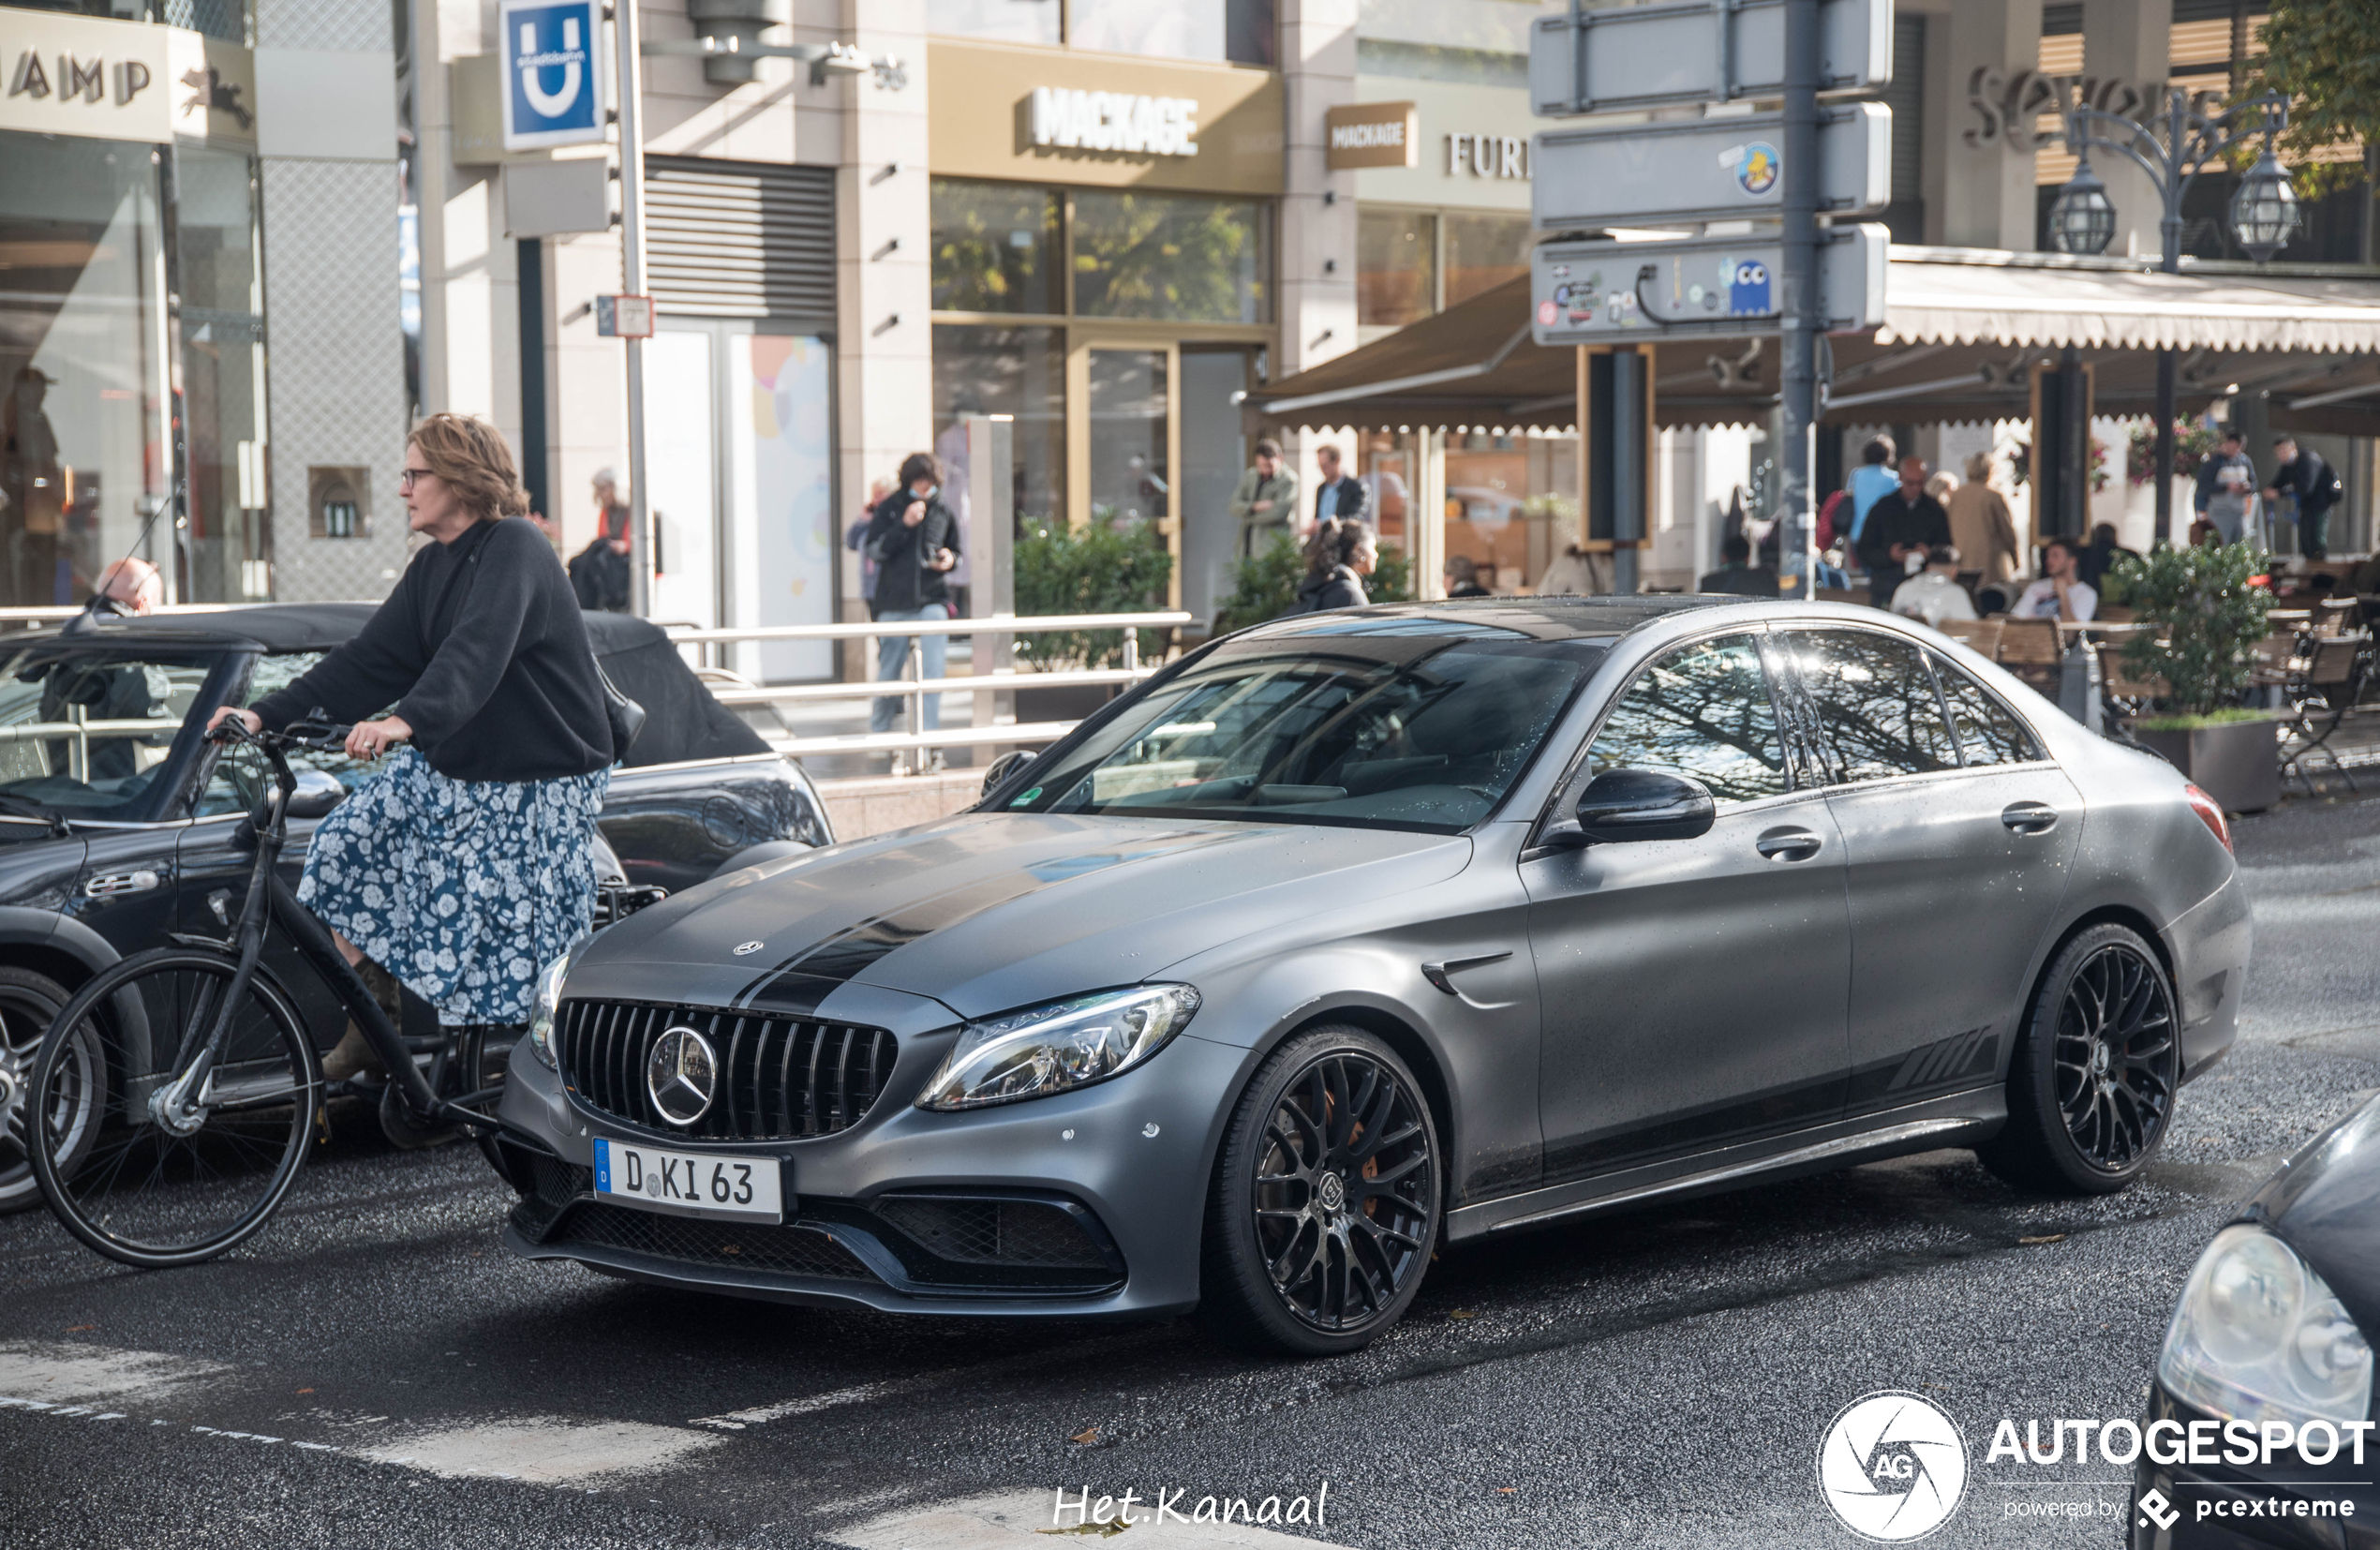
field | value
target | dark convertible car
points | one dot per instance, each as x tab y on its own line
119	824
1361	932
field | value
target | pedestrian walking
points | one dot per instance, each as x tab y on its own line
600	574
1870	483
1463	577
466	862
1982	528
1266	503
1338	556
2227	487
1736	575
1900	529
2312	487
1339	494
914	539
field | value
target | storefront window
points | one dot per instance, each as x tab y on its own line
1021	372
1008	21
1511	504
1396	261
1131	477
81	434
1483	252
1238	30
995	248
220	395
1172	256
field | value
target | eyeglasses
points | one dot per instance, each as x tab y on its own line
406	478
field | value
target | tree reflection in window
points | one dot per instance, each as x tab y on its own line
1702	711
1988	732
1876	701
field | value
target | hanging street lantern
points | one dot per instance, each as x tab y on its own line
2264	208
2082	219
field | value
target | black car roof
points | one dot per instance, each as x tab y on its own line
302	627
1546	618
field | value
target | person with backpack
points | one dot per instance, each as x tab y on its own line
2314	485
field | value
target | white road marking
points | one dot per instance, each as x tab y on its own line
59	1372
1014	1520
552	1450
1079	1352
736	1420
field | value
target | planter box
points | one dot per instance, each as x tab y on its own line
1063	701
2237	763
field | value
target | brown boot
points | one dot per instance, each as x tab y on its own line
354	1053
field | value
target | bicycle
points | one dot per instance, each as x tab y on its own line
158	1156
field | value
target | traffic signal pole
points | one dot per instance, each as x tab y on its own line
1797	408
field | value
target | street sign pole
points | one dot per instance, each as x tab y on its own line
1797	283
632	264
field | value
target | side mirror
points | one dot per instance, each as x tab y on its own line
1643	804
1004	767
317	792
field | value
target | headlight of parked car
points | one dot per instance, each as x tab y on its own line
2258	1336
549	996
1060	1047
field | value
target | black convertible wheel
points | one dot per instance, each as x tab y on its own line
1325	1205
29	1003
2090	1090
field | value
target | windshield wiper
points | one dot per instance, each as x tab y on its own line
10	803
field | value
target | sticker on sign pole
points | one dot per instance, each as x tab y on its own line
624	317
553	74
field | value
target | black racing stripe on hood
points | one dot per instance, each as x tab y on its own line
787	995
846	953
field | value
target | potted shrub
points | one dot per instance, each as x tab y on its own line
2203	603
1104	567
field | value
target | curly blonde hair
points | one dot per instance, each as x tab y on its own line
470	458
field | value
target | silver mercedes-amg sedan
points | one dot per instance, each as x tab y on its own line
1356	934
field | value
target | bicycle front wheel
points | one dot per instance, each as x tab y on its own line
143	1166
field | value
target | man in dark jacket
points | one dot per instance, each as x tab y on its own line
1736	574
1339	494
1904	522
914	540
2303	473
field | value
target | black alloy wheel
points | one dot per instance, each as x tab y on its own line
2090	1089
29	1003
1325	1207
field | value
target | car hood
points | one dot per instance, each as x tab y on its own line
990	912
2323	1203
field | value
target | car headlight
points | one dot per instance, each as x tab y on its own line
549	996
1059	1046
2258	1336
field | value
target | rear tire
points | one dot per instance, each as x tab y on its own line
1325	1204
152	1190
2091	1083
29	1003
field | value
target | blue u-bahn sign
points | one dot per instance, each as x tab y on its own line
553	72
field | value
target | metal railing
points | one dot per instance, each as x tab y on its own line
909	747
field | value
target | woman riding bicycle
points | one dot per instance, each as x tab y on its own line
466	861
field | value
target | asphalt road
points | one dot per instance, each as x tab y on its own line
373	1371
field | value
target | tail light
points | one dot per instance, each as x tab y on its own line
2210	813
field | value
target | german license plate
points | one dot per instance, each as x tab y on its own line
743	1189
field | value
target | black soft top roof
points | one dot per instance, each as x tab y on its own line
682	721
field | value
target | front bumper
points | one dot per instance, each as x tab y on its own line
2288	1505
1086	1204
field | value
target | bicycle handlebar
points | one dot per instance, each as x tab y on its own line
320	736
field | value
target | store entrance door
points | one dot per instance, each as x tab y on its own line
1125	442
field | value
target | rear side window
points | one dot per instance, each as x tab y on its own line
1877	708
1988	733
1702	711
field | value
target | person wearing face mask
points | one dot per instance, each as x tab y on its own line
914	540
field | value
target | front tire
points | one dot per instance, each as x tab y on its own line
29	1003
2091	1084
1325	1204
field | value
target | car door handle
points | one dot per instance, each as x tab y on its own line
2029	818
1789	845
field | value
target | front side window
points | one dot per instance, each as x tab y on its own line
1702	711
1396	729
1877	707
84	731
239	775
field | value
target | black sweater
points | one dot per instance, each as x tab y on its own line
483	653
904	582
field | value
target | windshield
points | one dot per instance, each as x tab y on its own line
1414	729
84	731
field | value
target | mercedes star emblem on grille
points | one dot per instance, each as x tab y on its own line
682	1075
745	948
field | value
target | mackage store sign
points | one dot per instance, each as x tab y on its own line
109	79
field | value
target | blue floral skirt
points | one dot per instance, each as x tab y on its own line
462	890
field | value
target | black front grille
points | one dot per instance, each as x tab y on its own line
781	1078
1035	1234
792	1250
